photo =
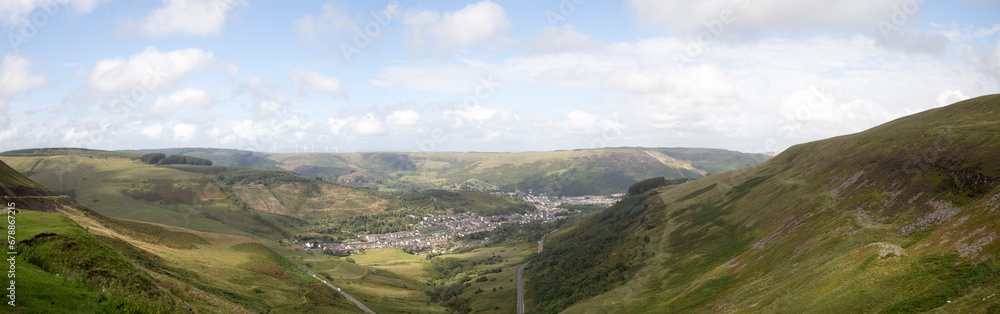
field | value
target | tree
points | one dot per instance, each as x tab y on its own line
152	158
185	160
646	185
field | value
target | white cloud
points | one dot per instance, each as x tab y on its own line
8	133
948	97
815	113
306	81
403	118
475	113
267	99
189	98
336	125
74	137
479	23
577	121
886	22
445	79
637	81
556	40
369	126
16	12
334	19
189	17
185	132
153	131
932	43
149	70
15	77
4	114
266	107
253	133
761	16
557	75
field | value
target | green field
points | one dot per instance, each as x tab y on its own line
386	280
504	298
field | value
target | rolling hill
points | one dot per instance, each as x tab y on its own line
274	204
900	218
578	172
73	260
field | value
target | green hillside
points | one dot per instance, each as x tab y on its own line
73	260
13	183
182	221
270	203
900	218
219	156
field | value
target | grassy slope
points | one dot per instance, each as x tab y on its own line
386	280
504	298
103	178
325	200
80	261
903	217
128	189
15	182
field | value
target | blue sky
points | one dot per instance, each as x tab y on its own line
341	76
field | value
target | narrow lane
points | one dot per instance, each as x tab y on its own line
520	289
348	297
520	283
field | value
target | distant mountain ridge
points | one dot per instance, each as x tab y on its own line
904	217
576	172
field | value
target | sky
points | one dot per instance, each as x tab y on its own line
491	76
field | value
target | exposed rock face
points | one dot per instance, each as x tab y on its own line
942	212
887	248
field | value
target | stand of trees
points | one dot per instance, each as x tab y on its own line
652	183
163	159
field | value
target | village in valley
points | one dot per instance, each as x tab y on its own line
437	234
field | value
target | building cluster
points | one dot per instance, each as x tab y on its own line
435	231
553	203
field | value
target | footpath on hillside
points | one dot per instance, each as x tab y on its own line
520	283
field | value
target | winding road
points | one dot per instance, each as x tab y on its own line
520	283
348	297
